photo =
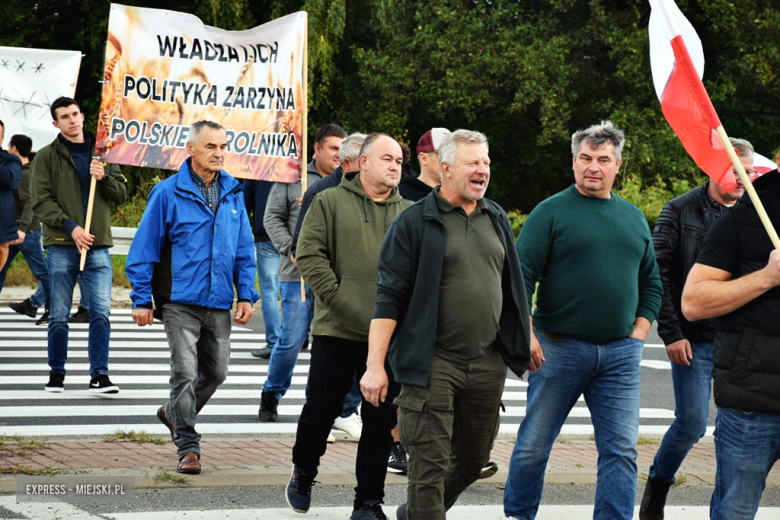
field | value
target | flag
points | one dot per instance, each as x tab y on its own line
30	79
762	165
677	63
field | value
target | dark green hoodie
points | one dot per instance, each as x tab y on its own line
338	254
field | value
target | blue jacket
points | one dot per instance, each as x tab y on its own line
10	175
183	253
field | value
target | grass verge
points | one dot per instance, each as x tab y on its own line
133	436
171	478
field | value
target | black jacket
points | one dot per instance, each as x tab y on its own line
677	238
747	345
255	198
410	265
10	175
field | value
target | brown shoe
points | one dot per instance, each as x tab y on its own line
164	419
189	463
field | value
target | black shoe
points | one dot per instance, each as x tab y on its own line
400	513
263	353
167	422
369	511
102	385
56	383
268	406
80	316
26	307
488	470
654	500
43	320
299	490
397	462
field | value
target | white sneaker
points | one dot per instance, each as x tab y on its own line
331	438
352	425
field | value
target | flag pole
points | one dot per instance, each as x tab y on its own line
304	130
724	139
87	224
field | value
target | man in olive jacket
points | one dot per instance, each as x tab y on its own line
61	175
338	250
451	309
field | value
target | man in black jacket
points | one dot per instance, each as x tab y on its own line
736	280
450	251
677	238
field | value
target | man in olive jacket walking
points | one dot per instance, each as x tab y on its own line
61	175
451	309
338	251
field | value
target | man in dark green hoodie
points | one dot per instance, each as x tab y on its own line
338	251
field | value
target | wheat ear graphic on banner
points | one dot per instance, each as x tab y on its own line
677	63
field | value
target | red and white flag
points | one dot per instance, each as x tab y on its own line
677	63
762	164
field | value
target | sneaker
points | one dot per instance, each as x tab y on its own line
299	490
80	316
167	422
26	307
488	470
56	383
353	425
263	353
43	320
400	513
397	463
331	438
268	407
654	500
102	385
369	511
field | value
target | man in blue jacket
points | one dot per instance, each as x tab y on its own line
194	244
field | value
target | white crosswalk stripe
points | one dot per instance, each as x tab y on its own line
139	365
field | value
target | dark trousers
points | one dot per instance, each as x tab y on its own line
334	364
448	430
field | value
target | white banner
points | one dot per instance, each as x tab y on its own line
30	80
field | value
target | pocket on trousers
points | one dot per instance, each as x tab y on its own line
414	420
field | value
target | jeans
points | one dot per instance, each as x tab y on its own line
63	262
352	400
334	362
296	318
268	272
448	429
33	253
608	375
199	341
692	389
747	444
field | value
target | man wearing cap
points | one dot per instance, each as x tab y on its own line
416	188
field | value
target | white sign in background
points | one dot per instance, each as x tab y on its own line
30	80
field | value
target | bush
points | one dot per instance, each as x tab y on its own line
651	197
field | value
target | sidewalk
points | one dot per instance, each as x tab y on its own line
258	462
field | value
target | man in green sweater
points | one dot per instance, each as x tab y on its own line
338	252
599	291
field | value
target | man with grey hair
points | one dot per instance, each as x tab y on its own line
450	251
194	220
678	238
599	291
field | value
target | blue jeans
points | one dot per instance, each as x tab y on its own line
353	399
268	272
33	253
296	318
747	444
608	375
96	280
692	389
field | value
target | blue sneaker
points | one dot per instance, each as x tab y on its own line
370	511
299	490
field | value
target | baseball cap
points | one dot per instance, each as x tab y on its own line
430	140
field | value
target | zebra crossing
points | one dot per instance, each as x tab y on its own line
139	365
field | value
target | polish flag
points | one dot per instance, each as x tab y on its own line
677	63
762	165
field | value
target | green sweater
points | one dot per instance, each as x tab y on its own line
595	265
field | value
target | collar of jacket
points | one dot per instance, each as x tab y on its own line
185	183
354	185
61	149
431	207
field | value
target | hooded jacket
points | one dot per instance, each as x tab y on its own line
185	254
56	196
338	253
10	175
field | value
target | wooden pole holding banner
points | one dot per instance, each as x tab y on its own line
751	191
88	222
304	130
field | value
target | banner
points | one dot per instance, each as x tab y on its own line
30	79
166	70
